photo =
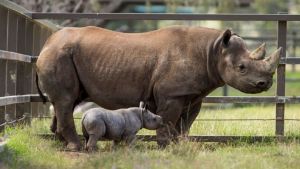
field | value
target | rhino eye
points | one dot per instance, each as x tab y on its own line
242	68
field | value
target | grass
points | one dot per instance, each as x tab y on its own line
26	150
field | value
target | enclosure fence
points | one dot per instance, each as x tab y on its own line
23	35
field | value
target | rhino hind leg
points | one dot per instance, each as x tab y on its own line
59	79
53	125
91	144
53	128
94	134
66	126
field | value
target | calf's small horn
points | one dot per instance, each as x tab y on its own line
273	60
259	53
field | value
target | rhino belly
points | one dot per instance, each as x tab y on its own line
115	83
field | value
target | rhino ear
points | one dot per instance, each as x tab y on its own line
226	37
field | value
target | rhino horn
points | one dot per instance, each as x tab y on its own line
259	53
273	60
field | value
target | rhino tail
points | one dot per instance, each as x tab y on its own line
42	96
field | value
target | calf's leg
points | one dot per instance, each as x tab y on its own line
130	140
91	145
95	131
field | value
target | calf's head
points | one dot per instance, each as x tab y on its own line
249	72
150	120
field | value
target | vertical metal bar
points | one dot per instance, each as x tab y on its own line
20	108
225	90
294	49
281	42
3	34
11	66
35	52
28	67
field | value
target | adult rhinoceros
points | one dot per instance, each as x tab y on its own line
171	69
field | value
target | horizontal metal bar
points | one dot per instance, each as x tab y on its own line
7	55
290	60
267	38
166	16
3	124
244	119
78	118
239	99
231	99
292	80
8	100
36	98
21	11
32	59
138	2
207	138
13	121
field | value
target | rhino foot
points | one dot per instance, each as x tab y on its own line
73	147
91	149
59	137
163	143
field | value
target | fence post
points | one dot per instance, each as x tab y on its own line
28	67
11	66
281	42
3	34
20	85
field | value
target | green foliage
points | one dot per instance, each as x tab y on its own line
271	6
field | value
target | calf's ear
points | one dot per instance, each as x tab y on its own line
226	37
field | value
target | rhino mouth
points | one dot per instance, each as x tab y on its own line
254	87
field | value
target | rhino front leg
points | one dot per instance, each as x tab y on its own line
187	118
130	140
170	110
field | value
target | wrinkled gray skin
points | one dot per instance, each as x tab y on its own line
118	125
171	69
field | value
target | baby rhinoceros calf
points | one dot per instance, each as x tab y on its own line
117	125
